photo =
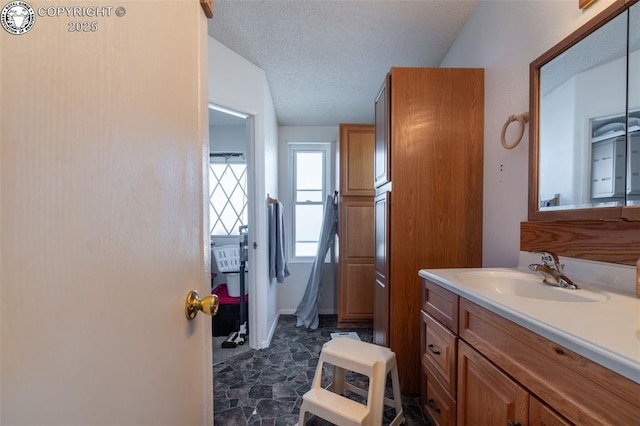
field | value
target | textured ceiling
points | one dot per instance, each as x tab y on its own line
325	60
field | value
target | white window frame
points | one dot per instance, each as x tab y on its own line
294	147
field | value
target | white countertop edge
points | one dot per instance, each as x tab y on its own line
609	359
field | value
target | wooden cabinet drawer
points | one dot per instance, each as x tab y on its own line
597	395
438	406
439	352
441	304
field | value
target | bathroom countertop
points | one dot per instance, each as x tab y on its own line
606	332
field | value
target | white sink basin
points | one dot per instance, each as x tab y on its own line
523	284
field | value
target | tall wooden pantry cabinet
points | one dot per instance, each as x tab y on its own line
355	224
428	196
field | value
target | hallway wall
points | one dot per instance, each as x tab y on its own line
237	84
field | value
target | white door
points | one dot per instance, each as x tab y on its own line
103	156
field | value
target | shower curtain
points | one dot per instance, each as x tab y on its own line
307	311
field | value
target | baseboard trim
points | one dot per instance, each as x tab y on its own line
326	311
267	342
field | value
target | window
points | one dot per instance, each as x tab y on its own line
227	193
310	167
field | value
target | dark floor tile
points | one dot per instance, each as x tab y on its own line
290	420
260	392
267	385
285	390
232	416
271	408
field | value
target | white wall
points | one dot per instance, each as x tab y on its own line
237	84
228	139
291	291
504	37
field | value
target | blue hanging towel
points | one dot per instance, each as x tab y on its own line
278	268
307	311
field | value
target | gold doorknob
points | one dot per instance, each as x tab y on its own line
208	305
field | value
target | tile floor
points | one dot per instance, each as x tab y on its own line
265	387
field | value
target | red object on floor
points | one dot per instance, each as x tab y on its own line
224	298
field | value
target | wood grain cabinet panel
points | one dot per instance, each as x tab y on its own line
441	304
542	415
381	301
487	396
382	163
356	160
440	352
355	236
357	224
428	157
437	404
382	204
598	396
359	292
507	374
381	313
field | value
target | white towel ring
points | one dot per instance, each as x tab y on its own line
520	118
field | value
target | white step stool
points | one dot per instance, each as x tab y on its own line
373	361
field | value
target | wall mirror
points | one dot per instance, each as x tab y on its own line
585	122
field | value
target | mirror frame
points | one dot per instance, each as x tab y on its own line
626	213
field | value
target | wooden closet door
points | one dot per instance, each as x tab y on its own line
356	252
355	301
357	145
381	300
382	165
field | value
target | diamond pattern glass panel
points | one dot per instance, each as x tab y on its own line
227	197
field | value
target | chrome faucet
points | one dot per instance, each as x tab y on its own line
551	260
553	271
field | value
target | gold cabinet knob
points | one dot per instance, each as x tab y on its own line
208	305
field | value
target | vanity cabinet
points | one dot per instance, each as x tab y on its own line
355	221
428	203
505	374
439	354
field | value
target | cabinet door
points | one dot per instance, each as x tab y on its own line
381	288
381	233
381	313
487	396
356	160
542	415
382	164
355	297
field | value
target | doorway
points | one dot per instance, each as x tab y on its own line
230	138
